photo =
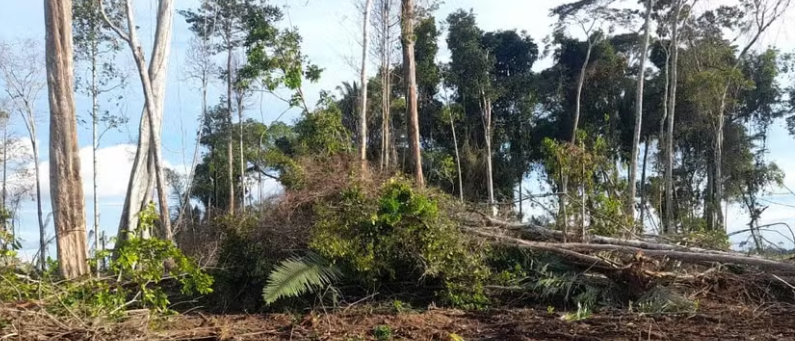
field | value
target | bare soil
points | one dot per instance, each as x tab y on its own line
713	322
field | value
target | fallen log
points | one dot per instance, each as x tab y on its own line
575	251
542	233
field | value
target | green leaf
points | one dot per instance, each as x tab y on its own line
297	276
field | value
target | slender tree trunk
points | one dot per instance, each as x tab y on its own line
242	156
407	40
662	144
363	109
669	150
580	83
229	153
143	173
643	183
485	107
633	168
39	210
457	161
5	176
195	161
66	189
95	142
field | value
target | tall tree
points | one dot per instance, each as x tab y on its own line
96	47
200	68
633	168
148	157
24	76
407	20
668	222
227	24
66	185
385	21
363	77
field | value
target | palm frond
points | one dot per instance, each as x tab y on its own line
299	275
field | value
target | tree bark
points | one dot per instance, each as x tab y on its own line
643	183
95	142
575	249
485	109
143	172
669	150
39	210
407	40
154	91
580	83
66	189
229	150
363	108
458	164
633	168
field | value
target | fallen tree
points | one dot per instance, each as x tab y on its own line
638	273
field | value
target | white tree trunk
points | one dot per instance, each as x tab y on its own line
633	163
143	173
363	109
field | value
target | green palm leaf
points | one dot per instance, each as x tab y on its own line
297	276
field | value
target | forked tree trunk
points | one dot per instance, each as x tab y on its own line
143	174
410	67
363	108
153	83
633	168
66	188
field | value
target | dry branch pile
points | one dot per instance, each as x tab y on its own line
638	264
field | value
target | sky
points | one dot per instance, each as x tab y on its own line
330	30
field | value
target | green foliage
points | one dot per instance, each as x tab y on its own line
296	276
593	181
382	332
136	278
399	232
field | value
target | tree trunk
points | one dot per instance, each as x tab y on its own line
458	162
39	210
242	157
485	109
95	142
143	173
153	101
229	152
580	83
643	183
363	108
669	150
66	188
633	168
407	40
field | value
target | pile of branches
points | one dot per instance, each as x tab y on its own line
637	264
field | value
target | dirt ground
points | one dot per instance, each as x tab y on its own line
712	322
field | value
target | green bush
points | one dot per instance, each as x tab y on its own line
397	232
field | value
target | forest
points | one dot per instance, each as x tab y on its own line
467	184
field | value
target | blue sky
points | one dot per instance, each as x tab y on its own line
330	29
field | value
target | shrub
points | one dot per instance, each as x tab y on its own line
397	230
